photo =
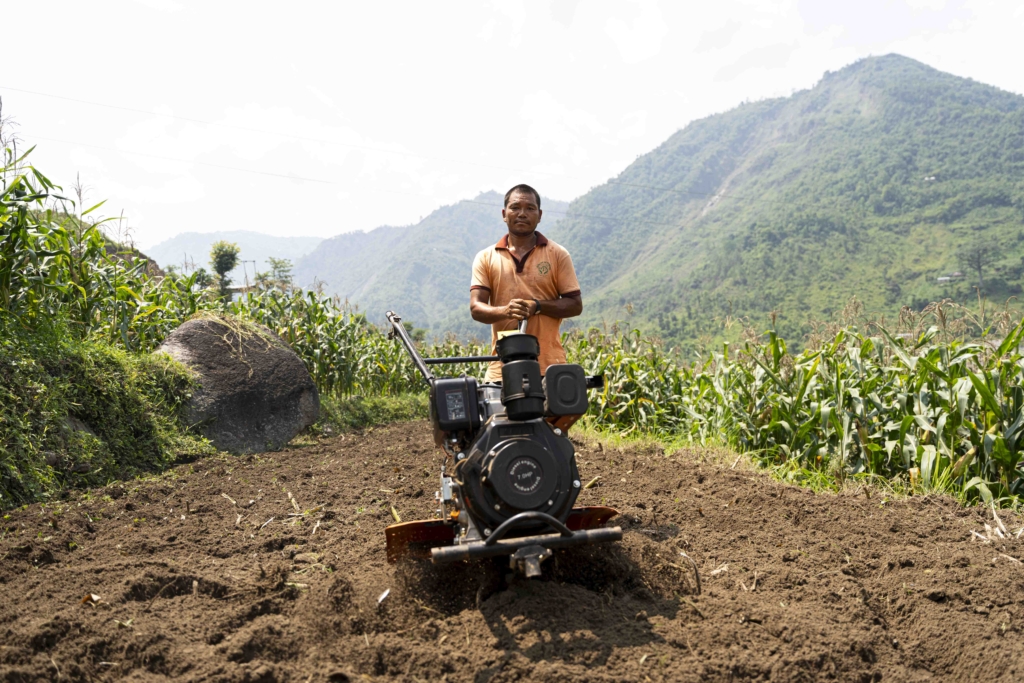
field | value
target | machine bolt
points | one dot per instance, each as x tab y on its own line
497	507
576	483
558	432
487	532
550	503
461	456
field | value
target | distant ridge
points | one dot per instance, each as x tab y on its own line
421	271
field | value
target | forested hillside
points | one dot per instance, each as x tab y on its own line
422	270
883	178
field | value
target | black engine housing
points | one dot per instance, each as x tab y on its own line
516	466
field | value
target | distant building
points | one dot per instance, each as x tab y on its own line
944	278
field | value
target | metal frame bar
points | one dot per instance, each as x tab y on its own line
398	330
529	516
479	549
460	359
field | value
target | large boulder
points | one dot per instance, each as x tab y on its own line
254	392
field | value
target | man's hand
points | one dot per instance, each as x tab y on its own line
519	309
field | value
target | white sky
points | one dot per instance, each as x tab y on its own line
405	106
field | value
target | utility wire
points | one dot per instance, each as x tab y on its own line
262	131
322	181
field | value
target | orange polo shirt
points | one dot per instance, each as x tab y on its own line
544	273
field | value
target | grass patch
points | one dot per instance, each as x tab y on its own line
83	413
356	412
718	452
588	430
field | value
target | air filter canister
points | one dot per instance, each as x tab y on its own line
522	390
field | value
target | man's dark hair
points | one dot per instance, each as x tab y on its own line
524	189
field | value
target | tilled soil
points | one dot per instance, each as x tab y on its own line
273	569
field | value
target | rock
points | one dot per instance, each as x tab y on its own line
75	425
254	392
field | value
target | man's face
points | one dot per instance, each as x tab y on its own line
522	214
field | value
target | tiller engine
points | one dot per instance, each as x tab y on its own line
509	478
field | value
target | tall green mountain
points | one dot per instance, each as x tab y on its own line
422	271
869	184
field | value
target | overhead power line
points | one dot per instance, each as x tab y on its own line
323	181
366	148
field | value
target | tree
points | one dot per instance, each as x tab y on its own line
977	255
264	281
203	279
223	259
418	334
280	272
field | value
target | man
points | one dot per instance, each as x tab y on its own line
525	276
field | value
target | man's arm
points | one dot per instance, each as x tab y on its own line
517	309
565	307
569	303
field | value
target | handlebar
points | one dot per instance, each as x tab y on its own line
421	363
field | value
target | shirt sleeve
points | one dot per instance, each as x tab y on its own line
567	283
481	273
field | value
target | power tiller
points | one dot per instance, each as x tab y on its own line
509	478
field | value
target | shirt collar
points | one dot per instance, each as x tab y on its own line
542	241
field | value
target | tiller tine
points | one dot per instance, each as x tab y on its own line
589	517
415	539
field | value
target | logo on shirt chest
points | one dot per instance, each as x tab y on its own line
543	267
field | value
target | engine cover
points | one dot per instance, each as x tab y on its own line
514	467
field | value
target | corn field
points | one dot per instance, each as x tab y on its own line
57	266
344	353
926	407
929	412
